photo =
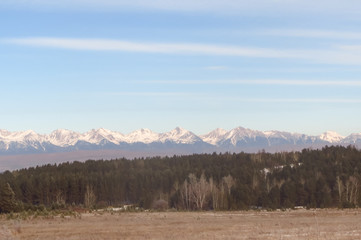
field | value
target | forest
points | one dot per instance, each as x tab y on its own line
323	178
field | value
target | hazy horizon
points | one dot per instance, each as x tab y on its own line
168	130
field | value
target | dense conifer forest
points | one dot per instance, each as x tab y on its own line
329	177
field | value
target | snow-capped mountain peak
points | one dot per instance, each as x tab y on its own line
63	137
95	136
143	135
4	133
28	135
179	135
214	136
331	137
237	139
240	133
178	131
352	139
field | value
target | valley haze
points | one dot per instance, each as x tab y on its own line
28	148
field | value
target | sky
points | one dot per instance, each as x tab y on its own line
288	65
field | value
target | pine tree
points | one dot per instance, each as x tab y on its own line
7	199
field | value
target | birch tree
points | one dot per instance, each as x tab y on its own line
89	197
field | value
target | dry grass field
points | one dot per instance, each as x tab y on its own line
297	224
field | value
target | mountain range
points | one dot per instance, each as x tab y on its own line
66	145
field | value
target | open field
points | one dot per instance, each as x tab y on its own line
298	224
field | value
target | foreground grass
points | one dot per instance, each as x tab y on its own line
299	224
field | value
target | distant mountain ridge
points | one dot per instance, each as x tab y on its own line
29	149
237	139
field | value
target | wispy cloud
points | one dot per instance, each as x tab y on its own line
286	82
179	5
300	100
220	97
131	46
353	48
216	68
151	94
338	55
263	7
312	33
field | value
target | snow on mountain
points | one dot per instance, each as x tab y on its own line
331	137
142	135
25	136
249	137
21	140
237	139
292	138
30	135
63	138
242	134
278	134
352	139
179	135
4	133
214	137
95	136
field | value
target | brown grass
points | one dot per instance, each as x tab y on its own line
299	224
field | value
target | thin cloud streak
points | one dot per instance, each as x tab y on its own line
298	100
174	5
228	98
344	55
312	33
165	48
257	7
262	82
216	68
151	94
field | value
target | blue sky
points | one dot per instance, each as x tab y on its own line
123	65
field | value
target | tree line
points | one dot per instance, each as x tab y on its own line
328	177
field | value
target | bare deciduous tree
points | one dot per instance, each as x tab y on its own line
185	194
348	192
89	197
195	191
353	192
59	198
202	190
229	182
339	188
214	193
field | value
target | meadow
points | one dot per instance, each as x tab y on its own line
289	224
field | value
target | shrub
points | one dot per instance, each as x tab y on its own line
160	205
